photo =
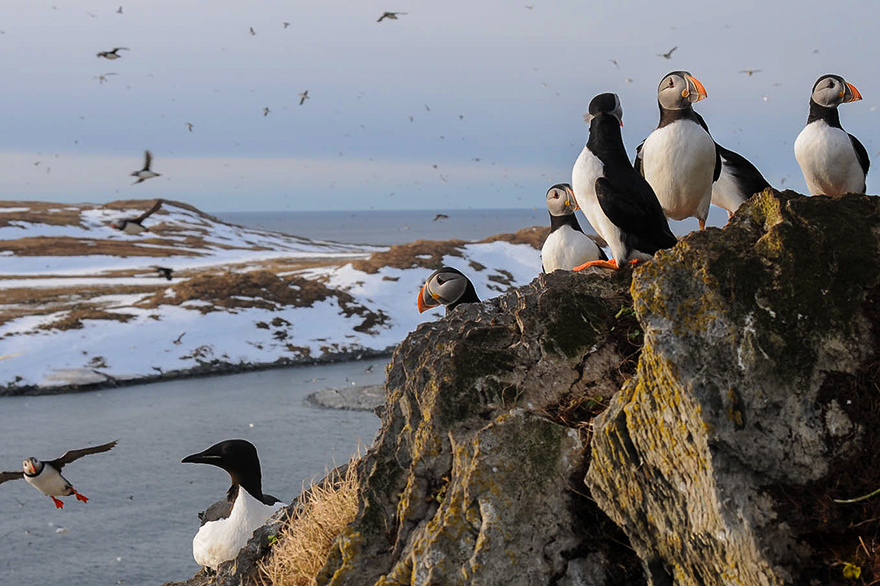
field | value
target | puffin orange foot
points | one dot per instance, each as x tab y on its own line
605	264
58	503
80	497
702	224
634	262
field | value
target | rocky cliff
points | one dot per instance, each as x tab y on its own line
693	421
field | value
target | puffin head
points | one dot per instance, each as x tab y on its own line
32	466
832	90
560	200
678	90
446	286
606	103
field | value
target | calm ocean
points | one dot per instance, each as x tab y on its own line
400	227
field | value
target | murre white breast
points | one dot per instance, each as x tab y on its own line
228	524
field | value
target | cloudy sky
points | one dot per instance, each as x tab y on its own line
454	105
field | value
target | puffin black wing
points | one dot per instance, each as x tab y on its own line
149	212
637	212
861	153
747	175
718	163
72	455
4	476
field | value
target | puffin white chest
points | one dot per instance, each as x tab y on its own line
566	248
133	228
49	481
678	161
828	160
220	540
587	168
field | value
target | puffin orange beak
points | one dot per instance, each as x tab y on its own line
574	199
695	86
420	301
853	95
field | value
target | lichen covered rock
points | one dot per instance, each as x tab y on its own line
755	400
476	477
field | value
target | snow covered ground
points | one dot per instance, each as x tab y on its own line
239	296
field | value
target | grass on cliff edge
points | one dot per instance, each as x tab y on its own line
304	542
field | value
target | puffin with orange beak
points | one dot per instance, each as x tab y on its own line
833	162
46	476
566	246
618	202
679	159
446	286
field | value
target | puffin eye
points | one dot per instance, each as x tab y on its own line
555	196
671	83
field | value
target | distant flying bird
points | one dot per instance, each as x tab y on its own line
303	97
440	217
286	24
189	126
427	108
46	476
119	10
750	72
111	55
266	111
164	271
252	31
145	173
668	54
369	369
103	78
529	7
390	16
135	225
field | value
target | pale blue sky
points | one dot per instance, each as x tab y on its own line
505	84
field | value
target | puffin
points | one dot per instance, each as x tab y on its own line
446	286
833	162
679	158
135	225
145	173
114	54
739	180
46	476
227	525
618	202
164	272
566	246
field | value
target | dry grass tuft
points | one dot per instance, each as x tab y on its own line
304	542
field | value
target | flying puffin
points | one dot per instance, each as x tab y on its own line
111	55
227	525
618	202
679	158
145	173
46	476
446	286
135	225
832	161
566	246
739	180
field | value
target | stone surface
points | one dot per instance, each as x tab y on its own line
750	409
476	476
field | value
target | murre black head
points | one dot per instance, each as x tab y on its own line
446	286
239	458
678	90
606	103
832	90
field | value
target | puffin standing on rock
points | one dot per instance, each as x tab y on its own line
227	525
833	162
566	246
446	286
618	202
46	476
679	159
